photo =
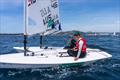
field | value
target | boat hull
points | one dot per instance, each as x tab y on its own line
50	58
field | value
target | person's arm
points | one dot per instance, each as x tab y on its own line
80	48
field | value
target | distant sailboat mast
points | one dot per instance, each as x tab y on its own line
114	33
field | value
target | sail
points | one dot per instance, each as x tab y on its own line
42	16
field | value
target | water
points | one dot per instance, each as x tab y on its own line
101	70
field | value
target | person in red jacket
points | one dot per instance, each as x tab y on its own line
79	51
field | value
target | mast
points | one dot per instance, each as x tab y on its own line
41	40
25	27
25	45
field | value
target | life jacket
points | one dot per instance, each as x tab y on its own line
83	47
77	45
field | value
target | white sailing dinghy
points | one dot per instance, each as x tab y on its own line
42	16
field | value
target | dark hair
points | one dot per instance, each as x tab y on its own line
77	34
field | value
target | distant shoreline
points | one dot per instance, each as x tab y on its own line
72	32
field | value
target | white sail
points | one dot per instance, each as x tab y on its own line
42	16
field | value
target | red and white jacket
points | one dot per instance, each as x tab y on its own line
81	46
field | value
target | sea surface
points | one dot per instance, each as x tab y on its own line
102	70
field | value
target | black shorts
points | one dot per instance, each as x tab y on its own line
74	53
82	55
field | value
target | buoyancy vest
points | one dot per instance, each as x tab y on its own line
83	46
